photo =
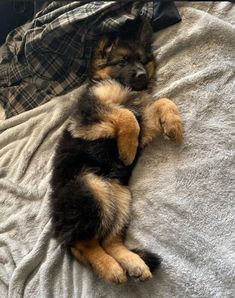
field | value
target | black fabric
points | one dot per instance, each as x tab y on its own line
16	13
165	14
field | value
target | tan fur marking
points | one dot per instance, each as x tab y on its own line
97	63
102	191
102	43
103	264
103	129
122	200
151	67
103	73
127	135
123	52
161	116
114	200
151	126
111	92
129	261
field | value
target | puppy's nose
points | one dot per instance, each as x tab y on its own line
141	74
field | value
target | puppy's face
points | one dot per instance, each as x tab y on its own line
128	60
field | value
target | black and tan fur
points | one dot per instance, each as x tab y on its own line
113	120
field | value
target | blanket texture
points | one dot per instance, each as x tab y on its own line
183	205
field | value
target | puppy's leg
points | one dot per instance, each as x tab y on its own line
90	252
127	134
112	203
162	116
125	128
130	261
119	123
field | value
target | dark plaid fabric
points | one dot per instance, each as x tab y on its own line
50	55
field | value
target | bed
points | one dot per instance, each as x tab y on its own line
183	205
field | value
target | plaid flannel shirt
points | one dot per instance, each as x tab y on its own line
50	55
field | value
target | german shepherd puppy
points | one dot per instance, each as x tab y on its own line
112	121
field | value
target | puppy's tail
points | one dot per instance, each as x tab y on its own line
152	260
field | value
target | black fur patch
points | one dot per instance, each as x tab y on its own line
76	215
75	212
88	109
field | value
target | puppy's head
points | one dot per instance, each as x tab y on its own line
126	57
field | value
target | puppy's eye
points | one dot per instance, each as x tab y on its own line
123	61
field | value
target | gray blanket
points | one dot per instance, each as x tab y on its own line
183	195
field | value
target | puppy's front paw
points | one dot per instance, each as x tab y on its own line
128	149
128	137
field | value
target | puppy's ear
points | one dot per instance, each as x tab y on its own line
106	45
145	33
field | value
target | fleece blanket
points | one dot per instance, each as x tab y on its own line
183	205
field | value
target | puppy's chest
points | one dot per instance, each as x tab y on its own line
136	106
